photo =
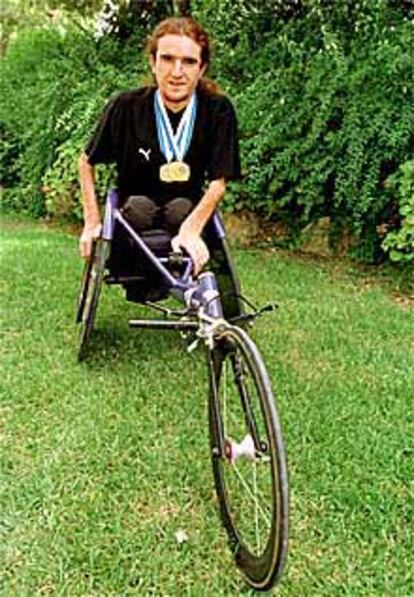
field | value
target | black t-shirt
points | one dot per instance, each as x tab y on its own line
127	135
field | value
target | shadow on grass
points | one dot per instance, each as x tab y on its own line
114	345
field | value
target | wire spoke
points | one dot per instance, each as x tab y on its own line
265	515
256	507
225	395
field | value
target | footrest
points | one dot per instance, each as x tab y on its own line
252	315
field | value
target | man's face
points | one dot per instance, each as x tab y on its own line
177	68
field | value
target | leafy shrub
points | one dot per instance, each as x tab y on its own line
400	241
55	84
322	132
324	96
323	92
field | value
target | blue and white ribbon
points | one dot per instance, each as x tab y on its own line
174	145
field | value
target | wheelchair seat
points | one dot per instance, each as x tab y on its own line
133	270
128	266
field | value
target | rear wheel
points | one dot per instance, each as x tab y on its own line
248	458
90	292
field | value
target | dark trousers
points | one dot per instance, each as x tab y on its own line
144	214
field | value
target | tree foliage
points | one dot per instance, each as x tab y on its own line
67	78
400	241
325	97
324	92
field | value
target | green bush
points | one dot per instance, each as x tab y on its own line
324	97
54	87
399	242
323	132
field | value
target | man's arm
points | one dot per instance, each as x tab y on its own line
189	235
92	219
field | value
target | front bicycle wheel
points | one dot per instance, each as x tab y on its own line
90	293
248	458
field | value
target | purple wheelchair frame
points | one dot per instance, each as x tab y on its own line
192	293
202	315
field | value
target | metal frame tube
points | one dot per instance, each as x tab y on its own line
173	282
159	324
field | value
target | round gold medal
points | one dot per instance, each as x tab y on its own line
175	172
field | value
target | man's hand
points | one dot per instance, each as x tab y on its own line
89	233
189	235
194	245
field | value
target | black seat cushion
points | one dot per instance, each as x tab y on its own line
127	260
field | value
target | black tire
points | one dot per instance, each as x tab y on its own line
86	277
89	294
227	280
242	407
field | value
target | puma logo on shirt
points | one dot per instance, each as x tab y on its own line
146	153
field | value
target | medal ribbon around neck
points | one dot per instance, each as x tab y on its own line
174	146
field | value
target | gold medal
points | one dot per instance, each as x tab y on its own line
175	172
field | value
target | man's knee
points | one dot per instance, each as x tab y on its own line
176	211
140	211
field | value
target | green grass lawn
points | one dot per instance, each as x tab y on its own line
103	462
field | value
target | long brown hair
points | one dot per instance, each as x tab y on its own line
191	28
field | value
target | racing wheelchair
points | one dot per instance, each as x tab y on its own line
246	445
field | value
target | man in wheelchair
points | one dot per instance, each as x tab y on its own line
175	146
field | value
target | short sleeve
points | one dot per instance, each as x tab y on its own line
101	148
224	152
